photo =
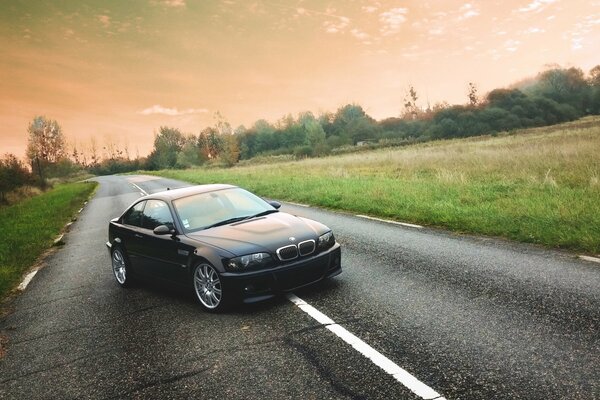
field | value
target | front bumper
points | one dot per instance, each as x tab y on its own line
260	285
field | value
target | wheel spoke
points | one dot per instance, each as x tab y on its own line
119	268
207	286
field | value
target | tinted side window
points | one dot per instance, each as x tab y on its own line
134	215
157	213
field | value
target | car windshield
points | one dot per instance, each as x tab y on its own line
207	210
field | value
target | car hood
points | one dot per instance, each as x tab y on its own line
261	234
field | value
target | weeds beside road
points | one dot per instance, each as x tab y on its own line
29	228
539	185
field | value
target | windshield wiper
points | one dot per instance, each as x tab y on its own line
225	222
260	214
237	219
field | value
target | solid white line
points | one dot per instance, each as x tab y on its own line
142	191
27	279
391	222
592	259
400	374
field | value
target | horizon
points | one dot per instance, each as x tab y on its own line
116	72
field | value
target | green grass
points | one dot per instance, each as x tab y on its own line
30	227
539	185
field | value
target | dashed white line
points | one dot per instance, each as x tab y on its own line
298	204
391	222
27	279
400	374
142	191
592	259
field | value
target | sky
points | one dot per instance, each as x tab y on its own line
114	72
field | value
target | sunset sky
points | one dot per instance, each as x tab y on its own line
118	70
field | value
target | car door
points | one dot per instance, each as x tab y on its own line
164	256
131	235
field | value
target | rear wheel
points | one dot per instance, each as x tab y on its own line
121	268
208	287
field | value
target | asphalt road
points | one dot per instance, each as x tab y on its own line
472	318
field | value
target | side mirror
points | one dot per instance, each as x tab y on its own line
163	230
275	204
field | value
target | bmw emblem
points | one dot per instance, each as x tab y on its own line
292	239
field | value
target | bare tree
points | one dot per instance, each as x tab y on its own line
473	97
411	110
46	144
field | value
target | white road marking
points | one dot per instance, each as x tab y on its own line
142	191
27	279
400	374
391	222
59	239
298	204
592	259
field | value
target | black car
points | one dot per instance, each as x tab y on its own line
224	242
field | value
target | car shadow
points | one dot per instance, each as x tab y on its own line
185	296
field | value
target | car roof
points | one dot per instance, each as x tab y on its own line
174	194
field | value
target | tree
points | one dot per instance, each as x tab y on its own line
411	111
473	98
595	76
594	82
167	143
564	86
230	153
315	137
189	155
351	123
46	144
210	143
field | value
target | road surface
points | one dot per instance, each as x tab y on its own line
466	317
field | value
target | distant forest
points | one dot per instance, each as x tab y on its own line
555	95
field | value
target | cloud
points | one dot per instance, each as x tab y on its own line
336	26
369	9
536	6
512	45
158	109
392	20
362	36
534	29
174	3
104	20
467	11
582	30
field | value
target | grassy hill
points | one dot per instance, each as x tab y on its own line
538	185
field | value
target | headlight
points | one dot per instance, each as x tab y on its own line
326	241
256	260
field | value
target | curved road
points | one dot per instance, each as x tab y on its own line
471	318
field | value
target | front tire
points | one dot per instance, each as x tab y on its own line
120	267
208	287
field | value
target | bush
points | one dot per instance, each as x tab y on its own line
13	174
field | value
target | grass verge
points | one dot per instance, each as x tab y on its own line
539	185
30	227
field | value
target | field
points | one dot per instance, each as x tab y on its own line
30	226
539	185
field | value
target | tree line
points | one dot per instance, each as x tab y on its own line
555	95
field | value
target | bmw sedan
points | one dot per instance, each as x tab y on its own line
224	242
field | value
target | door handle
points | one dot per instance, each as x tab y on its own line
137	235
